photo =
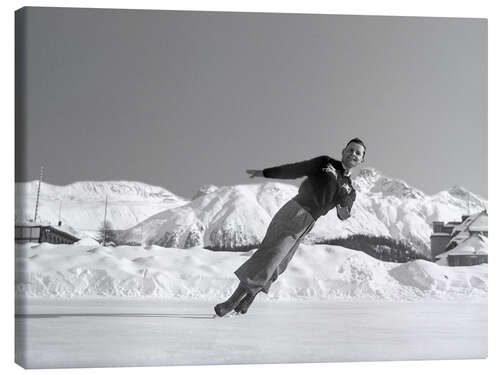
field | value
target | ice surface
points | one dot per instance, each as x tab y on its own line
125	332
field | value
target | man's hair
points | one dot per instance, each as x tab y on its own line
359	142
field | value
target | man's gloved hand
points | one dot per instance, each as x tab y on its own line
343	212
254	173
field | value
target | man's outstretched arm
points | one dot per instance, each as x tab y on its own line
291	171
254	173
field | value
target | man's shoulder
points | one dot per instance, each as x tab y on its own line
337	164
319	163
326	158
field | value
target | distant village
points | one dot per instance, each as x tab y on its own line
459	243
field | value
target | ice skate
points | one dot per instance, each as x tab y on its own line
245	303
223	308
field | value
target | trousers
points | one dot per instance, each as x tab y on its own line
283	236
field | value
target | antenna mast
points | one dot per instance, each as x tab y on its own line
468	203
105	214
38	192
141	233
59	222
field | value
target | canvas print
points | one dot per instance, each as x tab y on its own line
197	188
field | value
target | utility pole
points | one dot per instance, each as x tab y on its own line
105	224
38	193
59	222
468	203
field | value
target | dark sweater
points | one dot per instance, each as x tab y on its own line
320	191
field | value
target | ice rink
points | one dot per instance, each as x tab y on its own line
113	332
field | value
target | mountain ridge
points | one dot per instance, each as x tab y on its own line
231	217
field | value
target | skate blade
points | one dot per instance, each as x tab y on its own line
231	314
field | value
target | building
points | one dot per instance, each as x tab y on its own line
472	251
42	233
467	238
441	235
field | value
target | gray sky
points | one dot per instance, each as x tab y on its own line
182	99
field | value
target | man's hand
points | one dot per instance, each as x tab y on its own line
343	212
254	173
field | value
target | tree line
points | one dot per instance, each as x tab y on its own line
380	247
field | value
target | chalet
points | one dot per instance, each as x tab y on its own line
461	243
472	251
42	233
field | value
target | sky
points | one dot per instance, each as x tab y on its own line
184	99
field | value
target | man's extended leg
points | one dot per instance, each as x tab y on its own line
245	303
282	238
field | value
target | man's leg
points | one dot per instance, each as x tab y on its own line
274	254
245	303
282	238
285	231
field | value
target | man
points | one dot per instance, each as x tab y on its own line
327	186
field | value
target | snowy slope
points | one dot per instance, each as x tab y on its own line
225	217
316	272
406	212
237	216
82	203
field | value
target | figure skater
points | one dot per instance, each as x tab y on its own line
327	186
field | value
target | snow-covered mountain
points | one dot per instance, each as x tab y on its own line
407	212
232	217
81	204
237	216
225	217
371	181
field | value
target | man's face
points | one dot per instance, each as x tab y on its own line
353	154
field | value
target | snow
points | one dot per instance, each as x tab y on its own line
97	191
474	223
237	216
227	217
331	304
473	245
136	332
480	224
203	190
87	242
82	204
317	272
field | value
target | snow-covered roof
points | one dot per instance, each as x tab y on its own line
63	228
31	223
474	245
480	224
477	222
